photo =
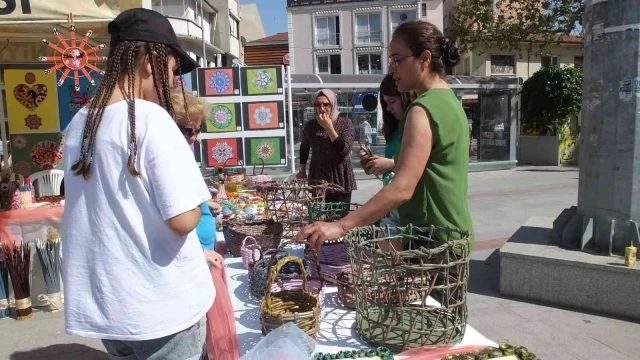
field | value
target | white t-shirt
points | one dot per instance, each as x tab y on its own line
127	275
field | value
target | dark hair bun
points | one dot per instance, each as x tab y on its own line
450	54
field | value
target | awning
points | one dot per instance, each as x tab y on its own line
56	10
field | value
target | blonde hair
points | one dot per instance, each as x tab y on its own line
191	114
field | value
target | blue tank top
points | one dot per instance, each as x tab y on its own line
206	228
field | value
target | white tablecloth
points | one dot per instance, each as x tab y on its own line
337	331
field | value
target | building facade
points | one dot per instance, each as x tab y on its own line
269	50
215	21
350	36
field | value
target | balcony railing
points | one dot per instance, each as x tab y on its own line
368	37
328	39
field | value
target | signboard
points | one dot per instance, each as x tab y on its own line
246	121
56	9
296	3
286	59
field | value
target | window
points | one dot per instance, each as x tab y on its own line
549	61
577	61
328	64
467	66
424	9
328	30
234	27
446	23
369	64
503	65
368	28
400	17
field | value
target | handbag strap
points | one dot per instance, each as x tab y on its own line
261	170
244	242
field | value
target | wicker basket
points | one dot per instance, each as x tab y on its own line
392	288
250	253
259	276
315	283
257	179
333	255
346	290
233	178
297	306
288	201
267	233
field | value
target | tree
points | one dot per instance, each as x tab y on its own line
514	24
551	98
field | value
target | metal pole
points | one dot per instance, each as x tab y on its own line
204	49
291	142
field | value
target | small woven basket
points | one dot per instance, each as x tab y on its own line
346	290
393	287
315	283
333	255
267	233
297	306
233	178
257	179
250	253
259	276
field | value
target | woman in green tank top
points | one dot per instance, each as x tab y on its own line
431	169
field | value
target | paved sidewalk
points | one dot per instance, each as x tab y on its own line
500	202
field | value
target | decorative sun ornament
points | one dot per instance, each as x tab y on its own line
73	57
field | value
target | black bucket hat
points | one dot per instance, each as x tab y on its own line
146	25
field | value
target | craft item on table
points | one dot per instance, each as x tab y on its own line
380	353
259	276
226	213
315	283
222	341
257	179
250	252
18	258
26	192
51	261
267	233
4	286
54	199
300	307
14	194
469	352
393	288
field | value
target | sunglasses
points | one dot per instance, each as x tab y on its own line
322	105
188	132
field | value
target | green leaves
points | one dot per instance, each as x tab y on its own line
508	24
552	96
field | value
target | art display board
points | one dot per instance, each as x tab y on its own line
245	125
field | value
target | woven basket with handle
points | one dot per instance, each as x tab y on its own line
259	276
315	283
250	253
267	233
233	182
297	306
257	179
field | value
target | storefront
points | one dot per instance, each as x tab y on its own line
491	105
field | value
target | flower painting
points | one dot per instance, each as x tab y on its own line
262	81
264	115
218	82
219	151
36	152
222	117
270	150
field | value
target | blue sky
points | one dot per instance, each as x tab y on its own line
273	14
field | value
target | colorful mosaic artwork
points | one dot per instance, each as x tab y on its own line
219	82
270	150
32	105
36	152
220	150
262	81
222	118
264	115
70	100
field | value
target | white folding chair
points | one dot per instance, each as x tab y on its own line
47	182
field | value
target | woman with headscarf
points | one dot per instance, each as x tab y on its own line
329	138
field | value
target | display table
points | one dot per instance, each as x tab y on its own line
28	226
337	331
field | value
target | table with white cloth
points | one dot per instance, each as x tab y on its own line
29	231
337	331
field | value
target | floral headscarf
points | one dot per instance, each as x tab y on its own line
331	96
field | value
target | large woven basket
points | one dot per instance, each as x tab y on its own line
315	283
259	276
297	306
394	277
288	201
267	233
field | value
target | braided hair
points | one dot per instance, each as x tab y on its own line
122	60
